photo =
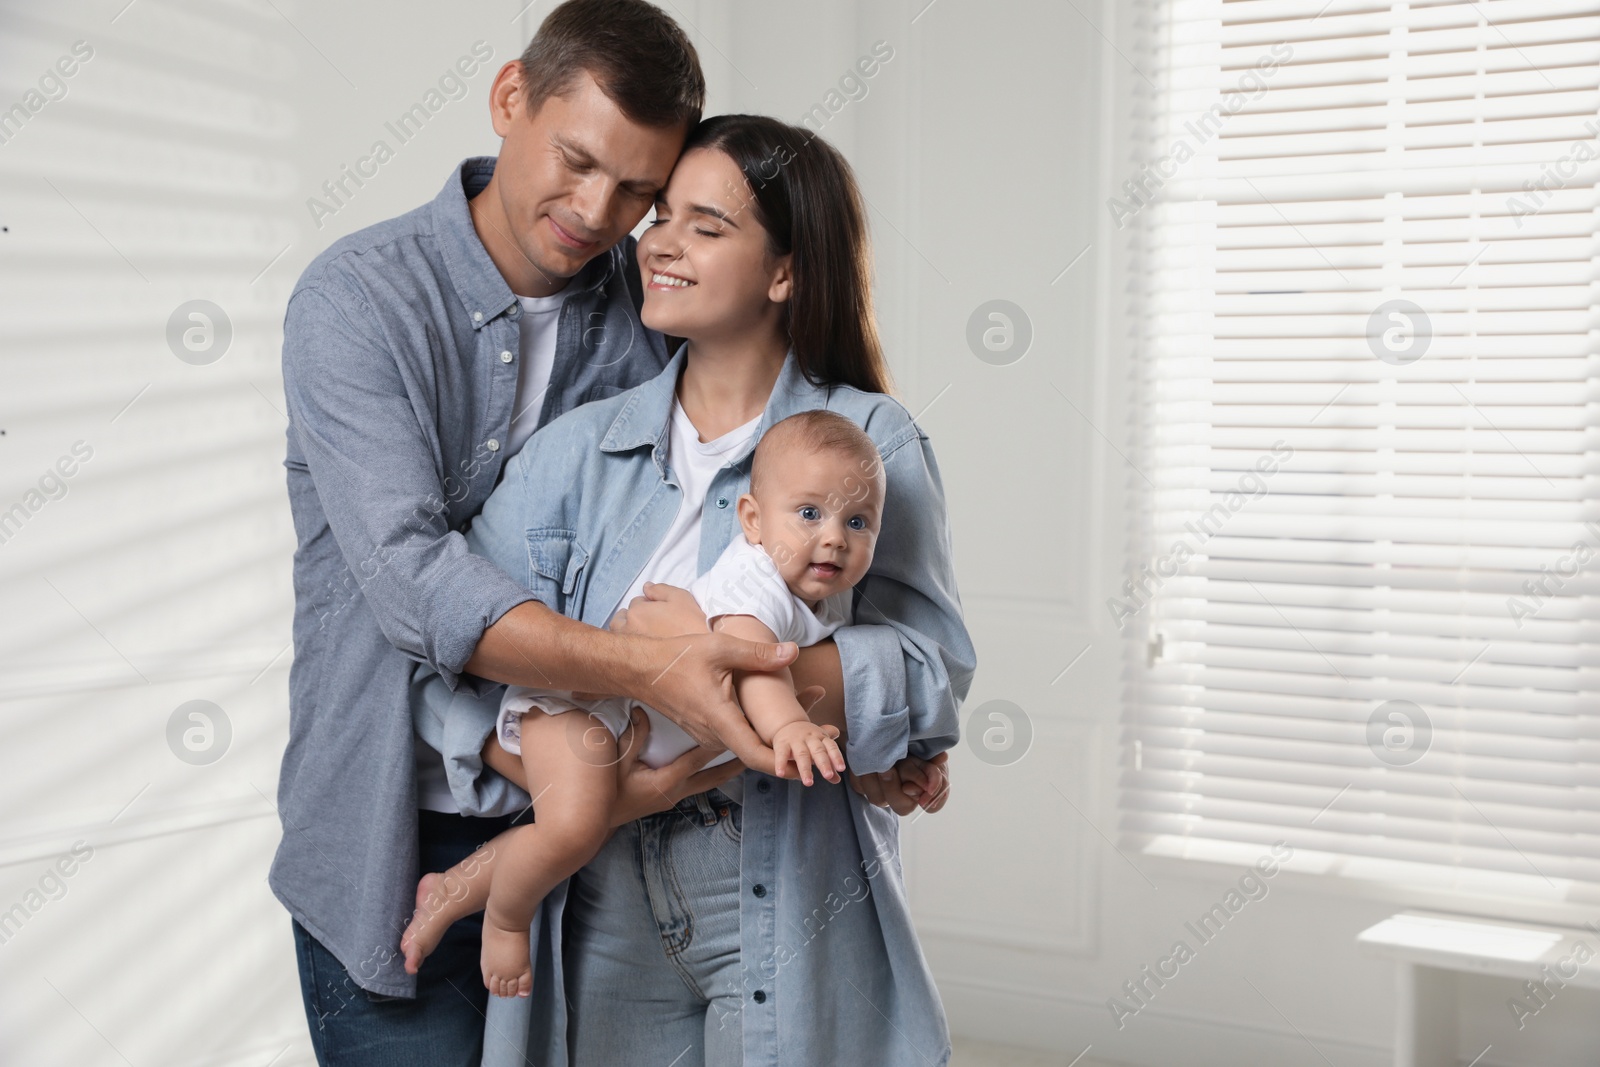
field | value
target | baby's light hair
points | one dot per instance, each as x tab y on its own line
817	431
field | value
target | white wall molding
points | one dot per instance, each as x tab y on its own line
1058	773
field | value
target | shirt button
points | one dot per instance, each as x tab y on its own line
516	309
760	890
477	316
763	786
759	996
505	357
722	501
493	445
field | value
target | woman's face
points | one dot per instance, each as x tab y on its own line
707	273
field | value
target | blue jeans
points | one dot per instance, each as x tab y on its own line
652	942
443	1026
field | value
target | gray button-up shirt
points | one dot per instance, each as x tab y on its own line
399	402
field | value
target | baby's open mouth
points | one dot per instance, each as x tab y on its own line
825	570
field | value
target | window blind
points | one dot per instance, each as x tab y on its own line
1364	613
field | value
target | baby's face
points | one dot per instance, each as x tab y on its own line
816	514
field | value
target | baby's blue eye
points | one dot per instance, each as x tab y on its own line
857	523
810	513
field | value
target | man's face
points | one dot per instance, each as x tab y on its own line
577	175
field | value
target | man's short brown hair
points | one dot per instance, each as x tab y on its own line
635	52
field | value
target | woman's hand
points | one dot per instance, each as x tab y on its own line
663	611
911	783
643	790
927	781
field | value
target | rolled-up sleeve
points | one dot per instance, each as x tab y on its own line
908	659
458	724
379	481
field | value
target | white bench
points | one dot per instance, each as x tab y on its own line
1429	948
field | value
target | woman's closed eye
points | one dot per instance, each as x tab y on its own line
663	216
658	220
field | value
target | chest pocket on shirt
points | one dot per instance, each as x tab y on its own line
555	567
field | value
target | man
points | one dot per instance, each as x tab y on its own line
418	356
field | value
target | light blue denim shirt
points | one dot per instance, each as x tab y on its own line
579	512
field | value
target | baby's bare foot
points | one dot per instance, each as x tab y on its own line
428	923
506	970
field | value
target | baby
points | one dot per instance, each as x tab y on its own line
810	522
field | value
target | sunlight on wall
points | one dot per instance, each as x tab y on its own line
144	545
156	158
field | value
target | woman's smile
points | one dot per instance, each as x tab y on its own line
664	281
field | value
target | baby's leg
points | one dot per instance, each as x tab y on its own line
444	898
570	760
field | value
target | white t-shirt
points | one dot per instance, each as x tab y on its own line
536	360
694	462
540	315
676	561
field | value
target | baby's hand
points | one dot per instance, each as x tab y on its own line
804	743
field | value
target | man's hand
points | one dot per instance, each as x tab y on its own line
909	784
663	611
690	681
644	790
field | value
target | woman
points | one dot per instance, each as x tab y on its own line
763	922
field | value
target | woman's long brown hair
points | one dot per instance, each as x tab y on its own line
805	195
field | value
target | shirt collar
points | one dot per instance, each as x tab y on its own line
478	283
646	419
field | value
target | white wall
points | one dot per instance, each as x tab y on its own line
1012	137
177	167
